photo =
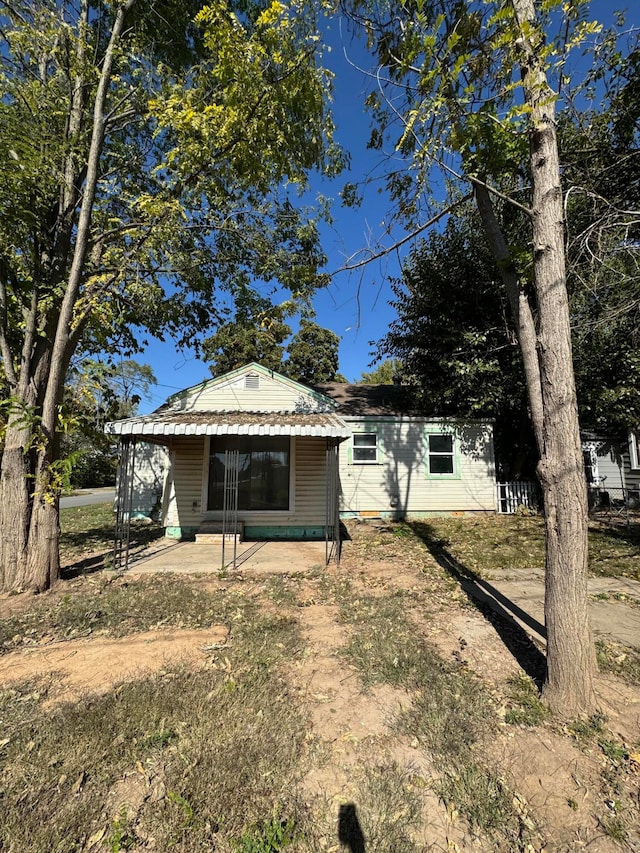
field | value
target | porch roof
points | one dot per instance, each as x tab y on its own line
167	423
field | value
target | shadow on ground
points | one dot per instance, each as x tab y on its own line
349	831
496	608
99	541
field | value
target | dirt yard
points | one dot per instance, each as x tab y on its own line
369	767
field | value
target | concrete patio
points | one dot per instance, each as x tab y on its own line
260	557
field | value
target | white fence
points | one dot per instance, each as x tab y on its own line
511	496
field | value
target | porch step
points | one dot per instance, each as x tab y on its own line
210	533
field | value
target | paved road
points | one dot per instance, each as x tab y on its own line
86	497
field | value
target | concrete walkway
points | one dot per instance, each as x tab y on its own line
614	603
514	595
263	558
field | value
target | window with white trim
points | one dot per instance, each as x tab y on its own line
365	448
634	435
441	454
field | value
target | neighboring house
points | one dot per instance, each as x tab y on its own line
612	465
295	458
147	483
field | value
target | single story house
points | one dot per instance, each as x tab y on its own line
284	460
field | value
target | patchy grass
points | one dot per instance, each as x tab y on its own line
216	759
120	608
183	760
450	714
524	705
623	661
480	545
89	530
488	804
614	550
389	808
618	776
383	646
512	542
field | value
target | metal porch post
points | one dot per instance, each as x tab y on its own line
230	504
124	502
332	516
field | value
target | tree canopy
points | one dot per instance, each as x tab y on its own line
259	333
385	373
151	156
465	93
456	340
95	393
313	354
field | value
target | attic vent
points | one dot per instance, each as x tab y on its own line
251	382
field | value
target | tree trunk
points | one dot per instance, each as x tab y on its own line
520	308
29	518
16	481
570	652
42	563
571	662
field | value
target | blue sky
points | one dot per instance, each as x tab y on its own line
356	305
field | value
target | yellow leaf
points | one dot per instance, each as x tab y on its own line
96	837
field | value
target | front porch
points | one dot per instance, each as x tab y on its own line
257	558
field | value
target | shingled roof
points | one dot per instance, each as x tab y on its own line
359	400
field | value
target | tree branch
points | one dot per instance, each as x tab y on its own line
399	243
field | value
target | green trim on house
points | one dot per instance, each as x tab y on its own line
292	531
367	429
257	531
435	430
180	532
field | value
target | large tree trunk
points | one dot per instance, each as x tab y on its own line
16	481
520	308
571	660
29	512
570	652
42	564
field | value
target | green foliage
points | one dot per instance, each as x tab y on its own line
313	354
386	373
203	126
602	180
151	158
258	333
122	836
97	392
451	104
455	340
270	836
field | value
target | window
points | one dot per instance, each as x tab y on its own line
365	448
441	454
263	472
634	436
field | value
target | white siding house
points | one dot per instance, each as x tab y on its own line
613	465
302	452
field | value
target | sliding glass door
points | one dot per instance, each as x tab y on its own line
263	472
